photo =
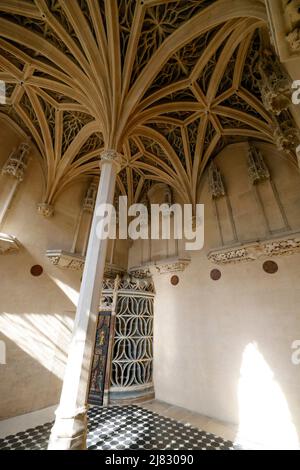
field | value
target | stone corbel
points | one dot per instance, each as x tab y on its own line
46	210
286	133
275	84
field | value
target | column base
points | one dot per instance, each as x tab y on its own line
69	431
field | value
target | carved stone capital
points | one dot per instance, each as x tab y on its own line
46	210
113	157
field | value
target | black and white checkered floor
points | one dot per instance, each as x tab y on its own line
125	427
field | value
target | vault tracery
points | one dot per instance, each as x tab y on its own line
168	82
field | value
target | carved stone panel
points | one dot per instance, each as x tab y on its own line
258	170
251	252
216	184
284	22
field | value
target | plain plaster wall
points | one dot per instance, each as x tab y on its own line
223	348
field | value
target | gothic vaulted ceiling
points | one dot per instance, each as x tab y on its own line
166	83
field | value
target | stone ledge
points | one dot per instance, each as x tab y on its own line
75	262
164	266
287	245
8	244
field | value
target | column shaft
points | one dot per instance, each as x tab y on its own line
69	430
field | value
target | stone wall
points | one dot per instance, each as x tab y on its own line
223	348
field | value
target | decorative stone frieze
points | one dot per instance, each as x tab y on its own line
234	255
172	266
141	272
17	162
75	262
66	260
274	84
216	185
8	244
165	266
257	169
255	251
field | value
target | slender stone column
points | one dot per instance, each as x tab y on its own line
15	168
70	427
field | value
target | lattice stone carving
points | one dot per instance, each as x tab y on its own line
216	185
275	84
133	345
90	198
17	162
129	282
258	170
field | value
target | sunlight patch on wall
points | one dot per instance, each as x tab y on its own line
265	418
72	294
45	338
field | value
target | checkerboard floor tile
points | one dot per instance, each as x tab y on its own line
125	427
